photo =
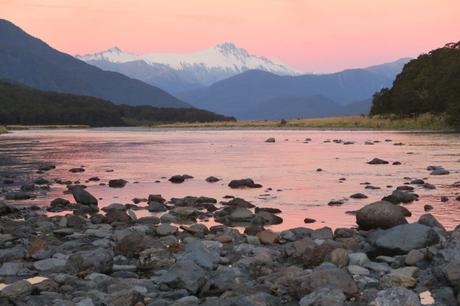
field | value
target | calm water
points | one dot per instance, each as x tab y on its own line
287	166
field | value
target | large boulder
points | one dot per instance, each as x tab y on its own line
82	196
403	238
379	215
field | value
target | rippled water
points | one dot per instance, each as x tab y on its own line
287	166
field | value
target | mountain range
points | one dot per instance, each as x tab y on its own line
30	61
250	95
181	72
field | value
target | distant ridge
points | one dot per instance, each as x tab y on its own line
32	62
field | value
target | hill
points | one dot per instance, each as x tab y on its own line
428	84
24	105
32	62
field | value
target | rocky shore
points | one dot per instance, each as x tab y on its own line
88	256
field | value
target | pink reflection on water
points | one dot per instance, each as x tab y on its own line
287	166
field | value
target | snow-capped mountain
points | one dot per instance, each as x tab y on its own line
180	72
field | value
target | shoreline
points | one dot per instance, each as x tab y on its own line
108	255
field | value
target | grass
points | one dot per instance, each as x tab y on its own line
3	129
422	122
60	126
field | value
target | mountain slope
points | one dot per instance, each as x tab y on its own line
200	68
24	105
32	62
233	96
389	70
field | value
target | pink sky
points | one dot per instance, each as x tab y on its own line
310	35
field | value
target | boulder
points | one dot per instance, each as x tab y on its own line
267	237
403	238
82	196
184	274
402	277
243	183
117	183
379	215
401	196
212	179
270	140
324	297
96	260
157	207
378	161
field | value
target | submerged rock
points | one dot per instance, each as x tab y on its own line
244	183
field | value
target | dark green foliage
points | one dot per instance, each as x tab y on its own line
428	84
24	105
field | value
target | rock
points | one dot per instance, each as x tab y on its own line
379	215
185	213
396	296
270	140
41	181
402	277
378	161
359	196
358	259
400	196
243	183
82	196
157	207
77	170
358	270
417	182
133	244
117	216
241	214
177	179
339	257
324	297
166	229
114	207
156	198
207	257
126	297
403	238
6	209
267	237
212	179
427	207
238	202
265	217
16	290
329	279
156	258
413	257
50	265
184	275
309	220
431	221
14	269
97	260
118	183
314	254
440	172
322	233
149	220
17	196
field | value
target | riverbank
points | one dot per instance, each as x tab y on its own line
3	129
423	122
60	126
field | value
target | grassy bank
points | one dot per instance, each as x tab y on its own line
62	126
3	129
423	122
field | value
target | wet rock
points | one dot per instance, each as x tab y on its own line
379	215
427	207
114	207
243	183
17	196
177	179
403	238
400	196
322	233
378	161
156	198
270	140
440	172
238	202
359	196
309	220
212	179
324	297
265	217
41	181
117	183
77	170
117	216
396	296
157	207
166	229
329	279
149	220
82	196
431	221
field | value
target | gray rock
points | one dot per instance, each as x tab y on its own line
14	269
184	275
157	207
396	296
117	183
324	297
82	196
97	260
403	238
379	215
16	290
329	278
401	196
50	264
196	251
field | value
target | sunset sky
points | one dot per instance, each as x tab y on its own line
310	35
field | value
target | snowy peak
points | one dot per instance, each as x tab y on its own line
226	56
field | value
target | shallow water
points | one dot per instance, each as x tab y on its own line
287	166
